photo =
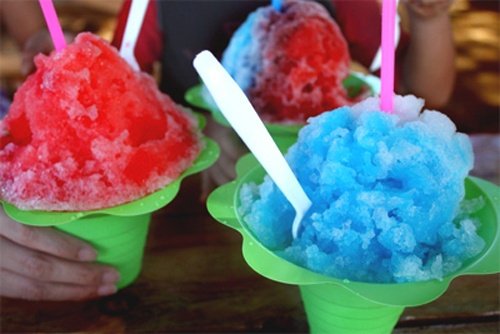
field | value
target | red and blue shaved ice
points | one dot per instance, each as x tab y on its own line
387	193
290	63
86	131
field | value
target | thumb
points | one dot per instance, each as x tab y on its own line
27	65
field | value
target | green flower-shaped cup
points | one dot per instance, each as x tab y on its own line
118	233
342	306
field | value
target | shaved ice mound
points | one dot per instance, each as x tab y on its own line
291	64
86	131
387	193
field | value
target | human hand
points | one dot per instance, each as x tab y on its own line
42	263
39	42
427	9
231	149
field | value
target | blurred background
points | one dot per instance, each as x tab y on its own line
474	107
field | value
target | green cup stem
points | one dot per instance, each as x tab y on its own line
119	241
331	308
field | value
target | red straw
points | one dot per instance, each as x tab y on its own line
388	51
53	24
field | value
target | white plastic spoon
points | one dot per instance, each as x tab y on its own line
377	60
238	111
132	29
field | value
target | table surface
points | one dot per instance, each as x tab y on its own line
194	279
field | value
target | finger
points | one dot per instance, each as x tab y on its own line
219	177
17	286
227	164
231	144
223	170
44	267
428	8
47	240
228	141
434	2
68	36
27	65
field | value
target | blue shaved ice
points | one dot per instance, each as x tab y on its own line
242	59
387	193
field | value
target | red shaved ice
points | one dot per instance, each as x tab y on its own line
86	131
290	63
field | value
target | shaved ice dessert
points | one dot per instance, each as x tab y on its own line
290	63
387	193
86	131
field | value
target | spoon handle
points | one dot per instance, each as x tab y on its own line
132	29
239	112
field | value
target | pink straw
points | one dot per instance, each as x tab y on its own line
388	51
53	24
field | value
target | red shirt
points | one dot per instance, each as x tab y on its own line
150	41
359	20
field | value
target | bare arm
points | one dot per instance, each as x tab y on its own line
429	67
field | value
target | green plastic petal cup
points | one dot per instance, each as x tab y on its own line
118	233
284	134
342	306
